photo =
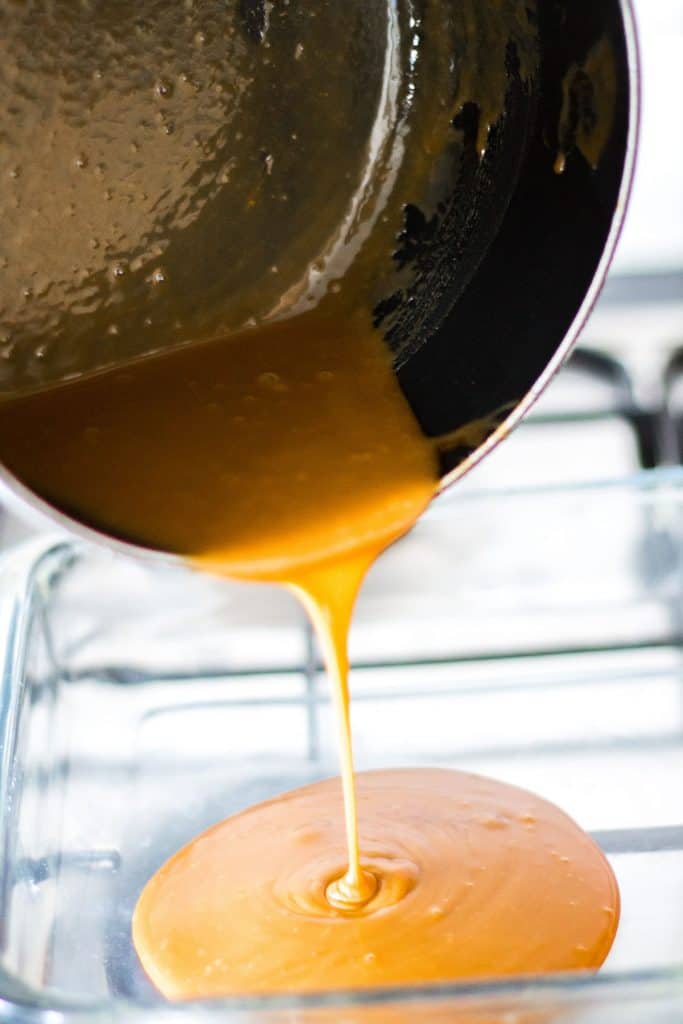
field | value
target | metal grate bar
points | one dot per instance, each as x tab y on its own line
126	675
641	840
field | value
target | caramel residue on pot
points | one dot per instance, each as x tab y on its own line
589	96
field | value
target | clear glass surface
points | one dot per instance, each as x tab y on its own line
534	635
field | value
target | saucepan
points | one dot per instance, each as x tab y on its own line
177	170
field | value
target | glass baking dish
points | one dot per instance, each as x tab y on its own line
534	635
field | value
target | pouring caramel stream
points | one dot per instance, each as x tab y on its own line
328	596
285	454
